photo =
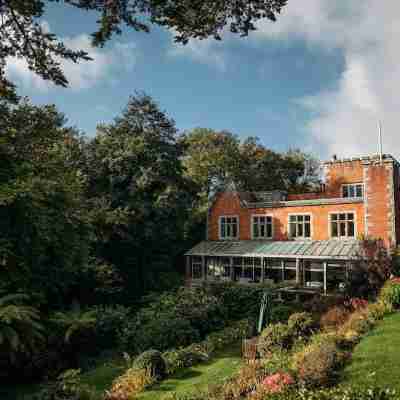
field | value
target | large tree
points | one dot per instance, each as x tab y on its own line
139	196
22	34
43	225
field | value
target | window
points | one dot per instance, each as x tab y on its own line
262	227
353	190
342	225
228	227
300	226
197	268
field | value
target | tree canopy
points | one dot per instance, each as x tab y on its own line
23	35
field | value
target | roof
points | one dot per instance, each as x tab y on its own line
308	249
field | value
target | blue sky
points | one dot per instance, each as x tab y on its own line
309	81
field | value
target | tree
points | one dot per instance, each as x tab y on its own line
139	196
20	327
22	34
263	169
44	228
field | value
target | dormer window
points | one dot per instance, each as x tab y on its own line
228	227
353	190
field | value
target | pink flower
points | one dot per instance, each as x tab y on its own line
276	383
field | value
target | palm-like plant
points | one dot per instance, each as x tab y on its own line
20	327
75	322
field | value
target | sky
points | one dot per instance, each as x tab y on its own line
318	79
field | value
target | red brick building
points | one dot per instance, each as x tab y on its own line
311	238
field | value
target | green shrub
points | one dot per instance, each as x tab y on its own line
301	324
161	333
152	361
390	294
109	322
281	313
183	358
67	386
377	311
274	337
317	363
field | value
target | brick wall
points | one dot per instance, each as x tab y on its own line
380	201
338	173
378	216
228	204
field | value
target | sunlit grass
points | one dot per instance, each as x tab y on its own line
376	359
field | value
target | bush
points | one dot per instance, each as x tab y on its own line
377	311
390	294
161	333
281	313
334	318
66	387
301	324
276	336
152	361
317	363
130	384
358	322
109	323
183	358
277	382
202	351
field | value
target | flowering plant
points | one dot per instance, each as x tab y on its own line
357	304
276	383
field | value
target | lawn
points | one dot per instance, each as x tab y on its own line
223	365
376	359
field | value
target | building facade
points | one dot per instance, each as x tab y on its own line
272	236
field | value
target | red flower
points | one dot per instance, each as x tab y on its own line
276	383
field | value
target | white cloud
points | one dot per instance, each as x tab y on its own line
345	118
82	75
206	51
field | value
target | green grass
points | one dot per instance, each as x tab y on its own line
223	365
100	378
376	359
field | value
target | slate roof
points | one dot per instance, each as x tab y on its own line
310	249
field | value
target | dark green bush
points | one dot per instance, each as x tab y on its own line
163	333
281	313
109	323
183	358
67	386
238	301
153	361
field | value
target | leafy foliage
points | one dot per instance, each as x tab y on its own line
152	361
138	195
372	270
67	386
20	327
44	229
44	52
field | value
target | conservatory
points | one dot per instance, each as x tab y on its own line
323	266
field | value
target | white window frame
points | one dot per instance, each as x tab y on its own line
355	191
311	226
237	230
346	220
196	263
252	224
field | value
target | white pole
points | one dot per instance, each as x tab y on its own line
380	141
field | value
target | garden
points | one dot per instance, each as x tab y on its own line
331	348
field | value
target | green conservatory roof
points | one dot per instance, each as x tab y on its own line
310	249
